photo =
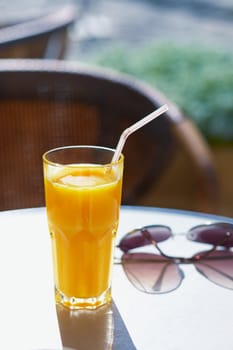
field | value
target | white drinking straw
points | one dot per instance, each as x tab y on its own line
148	118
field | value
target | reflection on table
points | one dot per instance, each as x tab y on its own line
101	329
84	329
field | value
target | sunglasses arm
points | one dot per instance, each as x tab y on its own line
117	261
176	259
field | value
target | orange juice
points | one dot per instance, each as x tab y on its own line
83	204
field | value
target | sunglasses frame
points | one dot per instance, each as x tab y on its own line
198	258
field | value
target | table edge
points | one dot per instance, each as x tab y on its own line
138	208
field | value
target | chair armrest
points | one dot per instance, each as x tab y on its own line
197	149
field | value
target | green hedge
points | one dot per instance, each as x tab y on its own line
199	80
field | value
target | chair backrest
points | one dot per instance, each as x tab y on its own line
45	36
46	104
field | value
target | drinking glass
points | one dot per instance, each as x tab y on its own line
83	195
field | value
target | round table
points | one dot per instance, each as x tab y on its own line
197	315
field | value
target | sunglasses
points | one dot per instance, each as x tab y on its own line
160	273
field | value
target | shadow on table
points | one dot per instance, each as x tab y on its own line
101	329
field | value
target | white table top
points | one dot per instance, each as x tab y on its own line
197	315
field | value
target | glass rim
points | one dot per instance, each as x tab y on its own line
60	148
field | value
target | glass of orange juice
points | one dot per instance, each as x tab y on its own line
83	195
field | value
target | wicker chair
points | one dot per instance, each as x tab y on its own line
46	103
43	37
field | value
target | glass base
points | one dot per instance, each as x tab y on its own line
92	303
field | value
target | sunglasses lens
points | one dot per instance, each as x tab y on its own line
217	234
151	273
217	266
135	239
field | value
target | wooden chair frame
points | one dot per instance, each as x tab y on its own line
100	103
45	36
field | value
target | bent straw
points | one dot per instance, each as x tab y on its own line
148	118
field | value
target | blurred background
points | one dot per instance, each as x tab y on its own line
182	47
